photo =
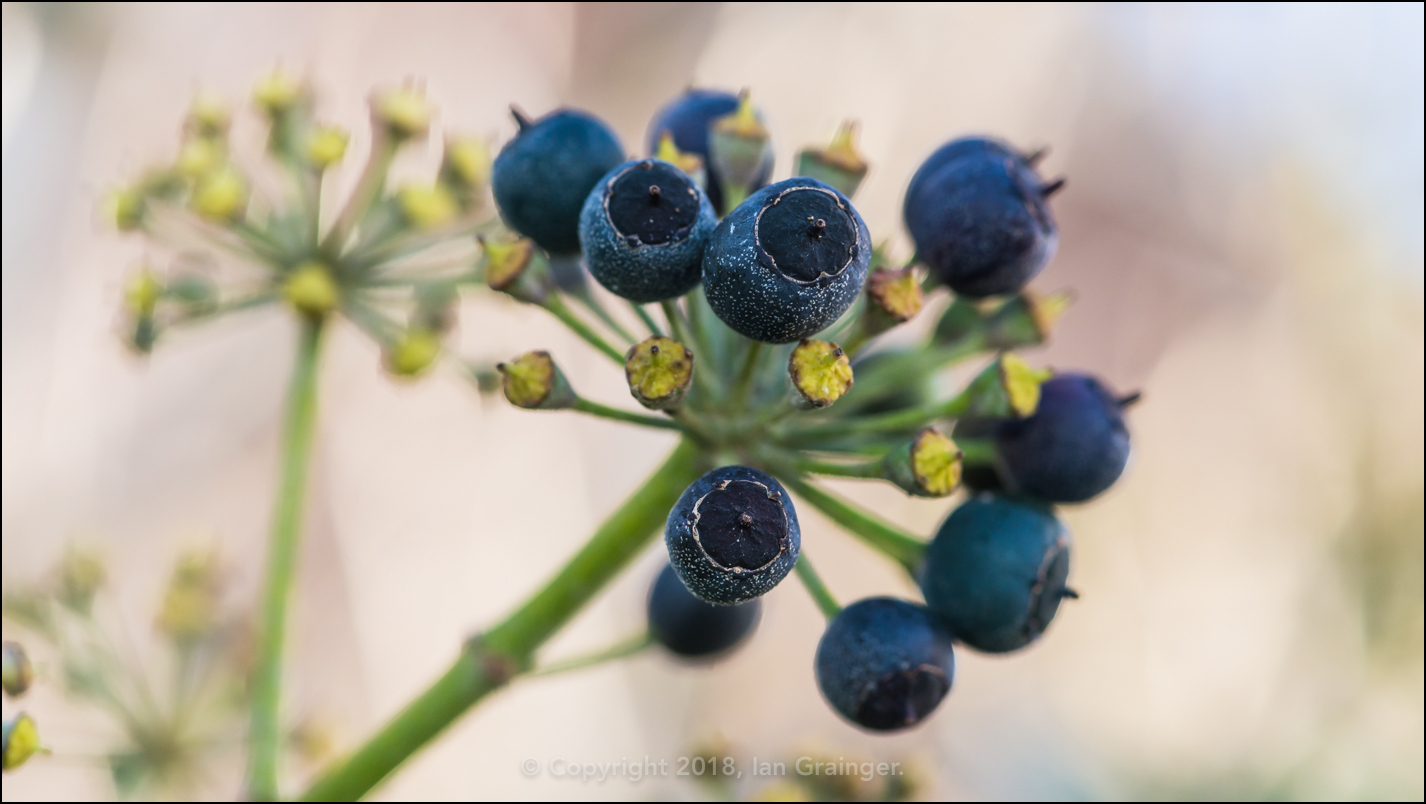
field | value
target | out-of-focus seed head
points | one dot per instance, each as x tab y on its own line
838	164
221	195
190	604
659	371
929	465
278	92
16	672
820	373
405	112
209	116
428	206
533	381
326	146
142	292
311	289
200	156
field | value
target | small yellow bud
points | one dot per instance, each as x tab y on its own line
311	290
125	206
690	163
416	352
200	156
659	371
278	92
21	740
190	605
142	293
533	381
428	206
405	112
221	195
820	372
506	260
467	162
209	116
935	463
1022	384
326	146
743	122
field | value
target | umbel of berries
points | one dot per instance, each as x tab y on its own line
1073	448
733	535
688	119
787	262
643	229
541	178
694	629
885	664
977	211
996	572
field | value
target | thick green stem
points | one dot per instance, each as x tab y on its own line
264	735
560	310
870	528
595	409
820	594
487	662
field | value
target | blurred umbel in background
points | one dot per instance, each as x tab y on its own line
1242	228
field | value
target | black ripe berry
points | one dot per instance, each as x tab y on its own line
691	628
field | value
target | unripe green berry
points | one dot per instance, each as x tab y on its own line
533	381
820	374
417	351
659	371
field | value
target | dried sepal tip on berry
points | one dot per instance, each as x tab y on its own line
659	371
820	373
533	381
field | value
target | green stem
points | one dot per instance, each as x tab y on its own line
488	662
620	650
870	528
867	469
978	450
898	370
892	422
676	323
653	326
368	187
818	590
264	735
560	310
739	397
586	297
595	409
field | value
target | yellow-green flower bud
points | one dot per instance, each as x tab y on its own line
142	292
820	372
404	112
417	351
534	382
125	206
16	672
466	164
221	195
209	116
311	290
278	92
81	573
740	149
1007	388
894	297
427	206
326	146
928	465
690	163
517	268
200	156
21	740
838	164
659	371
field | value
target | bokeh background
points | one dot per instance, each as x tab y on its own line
1243	230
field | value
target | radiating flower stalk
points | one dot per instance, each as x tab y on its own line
393	261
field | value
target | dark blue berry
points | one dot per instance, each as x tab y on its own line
688	118
643	229
954	150
885	664
996	572
1074	446
733	535
787	262
979	218
541	178
688	626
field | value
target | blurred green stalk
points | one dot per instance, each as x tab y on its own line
264	735
489	661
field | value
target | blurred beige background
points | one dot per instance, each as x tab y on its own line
1243	228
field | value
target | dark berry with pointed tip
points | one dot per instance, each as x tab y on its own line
980	219
688	118
885	664
996	572
691	628
1072	449
643	229
542	177
733	535
787	262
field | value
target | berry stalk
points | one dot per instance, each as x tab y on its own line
896	543
489	661
264	734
